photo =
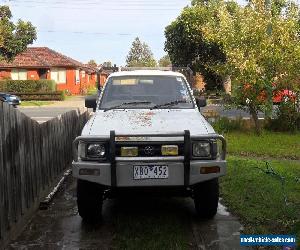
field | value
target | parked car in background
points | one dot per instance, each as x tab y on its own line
10	99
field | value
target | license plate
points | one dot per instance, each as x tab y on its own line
150	172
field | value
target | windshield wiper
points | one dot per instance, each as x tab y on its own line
172	103
126	103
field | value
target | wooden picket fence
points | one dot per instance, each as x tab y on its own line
32	157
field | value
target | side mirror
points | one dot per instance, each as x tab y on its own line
201	102
91	102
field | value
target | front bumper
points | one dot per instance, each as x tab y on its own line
124	173
118	171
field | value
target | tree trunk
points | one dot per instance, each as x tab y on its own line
227	84
253	113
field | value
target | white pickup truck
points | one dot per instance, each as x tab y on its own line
147	134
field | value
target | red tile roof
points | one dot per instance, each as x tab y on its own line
41	57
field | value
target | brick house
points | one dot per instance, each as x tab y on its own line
43	63
104	72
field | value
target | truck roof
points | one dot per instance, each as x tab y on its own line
146	73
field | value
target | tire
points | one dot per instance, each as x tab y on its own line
89	200
206	197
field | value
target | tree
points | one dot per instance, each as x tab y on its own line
164	61
92	63
107	64
186	45
262	47
257	45
14	38
140	55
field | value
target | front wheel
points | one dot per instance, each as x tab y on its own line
206	197
89	200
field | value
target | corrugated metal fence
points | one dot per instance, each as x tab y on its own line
32	156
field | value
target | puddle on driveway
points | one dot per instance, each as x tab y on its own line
60	227
222	210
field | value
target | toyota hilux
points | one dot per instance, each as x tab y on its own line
147	134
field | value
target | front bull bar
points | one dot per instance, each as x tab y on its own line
187	148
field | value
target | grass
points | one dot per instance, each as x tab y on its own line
259	199
268	145
254	194
35	103
92	91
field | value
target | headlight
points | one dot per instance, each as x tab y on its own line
91	151
95	151
201	149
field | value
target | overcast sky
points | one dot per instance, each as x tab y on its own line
98	29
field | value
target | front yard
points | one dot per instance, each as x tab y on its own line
262	185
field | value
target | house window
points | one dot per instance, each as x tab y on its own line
77	78
18	74
59	75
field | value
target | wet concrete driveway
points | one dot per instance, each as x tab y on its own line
60	227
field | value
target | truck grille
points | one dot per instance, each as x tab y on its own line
149	150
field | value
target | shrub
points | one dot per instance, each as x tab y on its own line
92	90
224	125
39	96
29	86
287	117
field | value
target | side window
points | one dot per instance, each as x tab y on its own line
19	74
77	78
54	74
22	74
62	76
59	75
14	74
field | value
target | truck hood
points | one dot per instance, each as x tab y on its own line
145	121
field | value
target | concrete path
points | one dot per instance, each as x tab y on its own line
60	227
44	113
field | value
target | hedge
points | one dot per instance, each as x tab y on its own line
29	86
39	96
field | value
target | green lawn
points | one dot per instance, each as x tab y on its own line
264	204
35	103
266	201
269	145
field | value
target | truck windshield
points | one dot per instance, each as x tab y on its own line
146	92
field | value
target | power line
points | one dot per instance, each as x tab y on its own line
114	6
103	9
101	3
91	33
97	2
93	2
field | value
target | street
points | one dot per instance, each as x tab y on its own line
60	227
45	113
230	113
